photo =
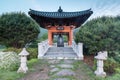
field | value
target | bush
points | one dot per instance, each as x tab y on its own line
12	49
2	48
100	34
9	61
111	66
114	77
43	37
32	62
35	43
33	53
115	55
17	29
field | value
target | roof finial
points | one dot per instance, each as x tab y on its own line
60	10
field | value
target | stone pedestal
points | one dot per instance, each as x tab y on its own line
23	66
100	58
40	50
80	50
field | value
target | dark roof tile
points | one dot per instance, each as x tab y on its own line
59	14
44	18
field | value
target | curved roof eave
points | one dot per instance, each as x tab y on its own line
59	14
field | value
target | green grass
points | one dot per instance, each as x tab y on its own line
88	72
13	75
83	70
10	75
79	67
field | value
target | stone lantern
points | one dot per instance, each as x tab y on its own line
23	57
100	58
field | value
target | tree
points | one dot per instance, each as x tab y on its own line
17	29
100	34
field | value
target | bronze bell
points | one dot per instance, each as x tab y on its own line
60	41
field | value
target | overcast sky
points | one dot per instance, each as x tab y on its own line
99	7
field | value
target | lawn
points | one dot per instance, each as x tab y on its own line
13	75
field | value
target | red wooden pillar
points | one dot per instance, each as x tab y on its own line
50	37
70	37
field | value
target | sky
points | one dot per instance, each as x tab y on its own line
99	7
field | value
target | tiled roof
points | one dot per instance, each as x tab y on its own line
59	14
60	17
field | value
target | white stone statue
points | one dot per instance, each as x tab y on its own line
23	66
102	55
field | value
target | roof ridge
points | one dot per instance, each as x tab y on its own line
58	11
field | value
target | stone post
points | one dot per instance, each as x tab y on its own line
80	50
23	56
40	50
100	57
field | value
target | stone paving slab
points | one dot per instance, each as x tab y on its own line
65	72
65	66
52	66
54	70
54	61
61	79
68	61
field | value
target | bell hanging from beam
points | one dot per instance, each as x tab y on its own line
60	41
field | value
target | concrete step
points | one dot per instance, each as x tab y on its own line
60	49
60	53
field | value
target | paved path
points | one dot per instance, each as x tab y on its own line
58	69
61	70
58	64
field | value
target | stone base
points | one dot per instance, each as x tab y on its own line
75	58
101	74
22	70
